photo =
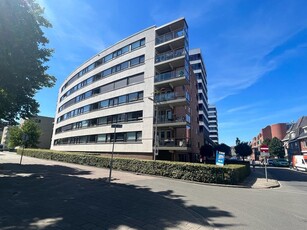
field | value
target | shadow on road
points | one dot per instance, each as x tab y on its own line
56	197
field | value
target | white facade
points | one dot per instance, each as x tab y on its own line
146	86
120	85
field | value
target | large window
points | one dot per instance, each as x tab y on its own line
101	138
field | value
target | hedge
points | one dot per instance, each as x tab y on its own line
229	174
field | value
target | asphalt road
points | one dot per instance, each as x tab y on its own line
239	208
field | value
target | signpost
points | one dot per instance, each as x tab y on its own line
264	152
220	158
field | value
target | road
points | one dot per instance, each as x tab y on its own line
239	208
73	195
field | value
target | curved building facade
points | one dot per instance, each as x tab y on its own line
142	82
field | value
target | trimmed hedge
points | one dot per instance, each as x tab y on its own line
229	174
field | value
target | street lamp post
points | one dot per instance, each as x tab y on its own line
111	160
156	128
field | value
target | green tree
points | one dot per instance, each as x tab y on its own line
243	149
206	151
266	141
15	137
238	141
224	148
23	54
276	148
29	129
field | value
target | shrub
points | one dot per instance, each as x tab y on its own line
229	174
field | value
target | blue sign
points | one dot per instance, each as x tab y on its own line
220	158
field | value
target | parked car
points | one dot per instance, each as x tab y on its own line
281	162
271	161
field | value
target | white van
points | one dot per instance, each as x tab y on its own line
299	162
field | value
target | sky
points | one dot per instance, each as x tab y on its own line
255	52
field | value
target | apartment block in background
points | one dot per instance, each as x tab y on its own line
45	125
199	69
213	124
145	83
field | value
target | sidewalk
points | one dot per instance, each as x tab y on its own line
41	194
257	180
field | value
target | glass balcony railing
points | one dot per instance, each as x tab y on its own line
168	96
169	55
182	142
170	119
169	36
169	75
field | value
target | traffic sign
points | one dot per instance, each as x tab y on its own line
264	148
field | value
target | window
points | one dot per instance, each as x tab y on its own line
124	65
138	136
101	138
131	136
133	97
122	99
119	137
102	121
121	83
108	58
134	61
104	104
136	79
125	49
135	45
86	109
106	88
121	117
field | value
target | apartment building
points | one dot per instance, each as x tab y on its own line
269	132
199	69
213	124
145	83
45	125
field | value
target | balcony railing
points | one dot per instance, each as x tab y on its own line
168	96
183	142
169	75
170	55
169	36
173	119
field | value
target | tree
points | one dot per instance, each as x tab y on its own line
30	129
224	148
266	141
238	141
276	148
15	137
206	151
243	149
23	53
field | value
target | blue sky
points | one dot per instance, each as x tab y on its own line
255	52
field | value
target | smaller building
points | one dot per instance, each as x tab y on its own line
269	132
295	140
46	126
5	137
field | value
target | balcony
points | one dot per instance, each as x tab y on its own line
182	144
174	78
169	55
169	36
170	98
174	121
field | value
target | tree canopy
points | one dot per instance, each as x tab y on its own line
206	151
243	149
224	148
23	54
276	148
30	130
